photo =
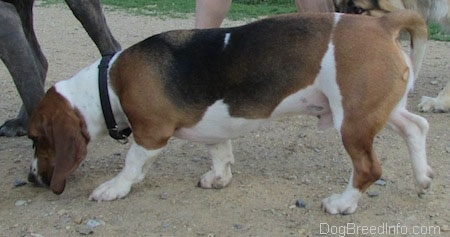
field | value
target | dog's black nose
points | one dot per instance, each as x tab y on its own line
31	178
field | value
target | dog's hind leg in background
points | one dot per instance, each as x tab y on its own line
22	55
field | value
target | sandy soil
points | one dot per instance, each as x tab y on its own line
284	161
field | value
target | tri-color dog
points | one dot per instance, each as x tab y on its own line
210	86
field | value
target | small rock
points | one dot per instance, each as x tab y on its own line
91	223
20	203
200	158
196	159
77	220
19	183
306	181
434	82
299	203
372	194
290	176
84	230
62	212
65	220
36	235
164	196
380	182
165	225
445	228
302	135
238	226
267	174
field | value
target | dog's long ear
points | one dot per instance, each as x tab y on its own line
70	142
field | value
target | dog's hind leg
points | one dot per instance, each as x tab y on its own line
220	174
414	129
358	141
120	186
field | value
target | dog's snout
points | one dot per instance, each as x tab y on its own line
32	178
36	180
33	174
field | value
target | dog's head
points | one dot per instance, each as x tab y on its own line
60	141
365	7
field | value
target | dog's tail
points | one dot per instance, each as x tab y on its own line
415	25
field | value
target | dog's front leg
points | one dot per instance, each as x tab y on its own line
119	186
414	130
220	174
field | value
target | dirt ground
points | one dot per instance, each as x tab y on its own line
286	160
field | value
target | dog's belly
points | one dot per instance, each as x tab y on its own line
218	125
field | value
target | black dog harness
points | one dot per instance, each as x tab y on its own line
113	129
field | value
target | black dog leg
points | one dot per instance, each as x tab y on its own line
21	53
90	14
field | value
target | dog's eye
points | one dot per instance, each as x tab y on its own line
358	10
352	8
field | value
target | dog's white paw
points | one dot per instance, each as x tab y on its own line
213	180
111	190
339	204
423	182
429	104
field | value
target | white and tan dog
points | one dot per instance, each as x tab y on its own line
431	10
210	86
